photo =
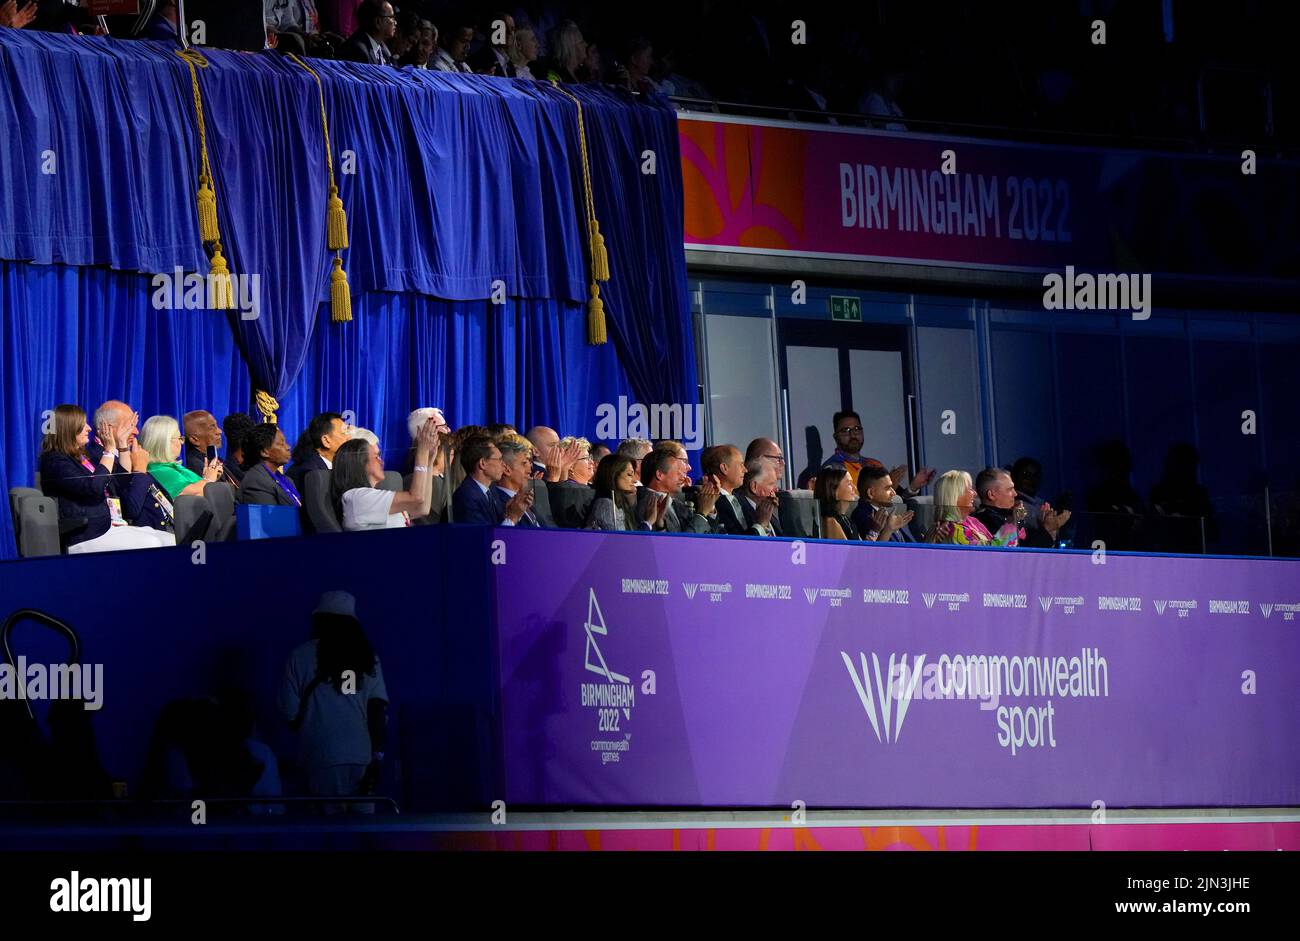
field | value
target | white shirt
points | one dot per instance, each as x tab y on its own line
443	62
369	508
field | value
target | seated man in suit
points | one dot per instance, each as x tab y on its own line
143	502
473	501
315	447
758	501
377	24
516	460
265	453
201	432
662	475
874	516
724	463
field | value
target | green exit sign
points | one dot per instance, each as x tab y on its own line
846	308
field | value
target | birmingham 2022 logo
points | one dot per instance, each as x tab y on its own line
887	696
612	700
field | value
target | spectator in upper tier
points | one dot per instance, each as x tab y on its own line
875	518
670	82
357	472
333	695
161	438
493	57
583	468
835	494
848	454
316	446
87	490
724	464
636	449
406	35
524	52
636	69
202	432
768	451
615	505
453	47
879	100
11	15
592	69
516	474
265	454
1001	503
758	497
143	502
376	25
291	16
236	425
567	51
661	477
998	503
473	501
954	499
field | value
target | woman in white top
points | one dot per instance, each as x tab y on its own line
359	469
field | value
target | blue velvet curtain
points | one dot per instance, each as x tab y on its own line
85	335
452	183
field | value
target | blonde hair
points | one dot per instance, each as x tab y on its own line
156	437
948	490
581	442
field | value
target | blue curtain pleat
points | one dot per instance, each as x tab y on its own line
453	184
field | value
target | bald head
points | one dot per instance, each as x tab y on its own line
761	447
542	438
112	412
201	429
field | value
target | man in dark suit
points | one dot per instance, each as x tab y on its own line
725	464
662	475
516	459
876	489
201	432
143	501
376	24
473	501
758	500
316	447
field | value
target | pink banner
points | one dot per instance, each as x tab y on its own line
786	189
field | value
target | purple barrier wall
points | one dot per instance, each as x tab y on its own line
693	671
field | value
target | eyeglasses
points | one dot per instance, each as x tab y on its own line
852	430
775	457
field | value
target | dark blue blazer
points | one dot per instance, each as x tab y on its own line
469	504
79	492
136	491
299	470
527	521
862	519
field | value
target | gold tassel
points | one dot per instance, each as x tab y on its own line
599	257
340	294
595	317
267	405
221	295
207	210
337	221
